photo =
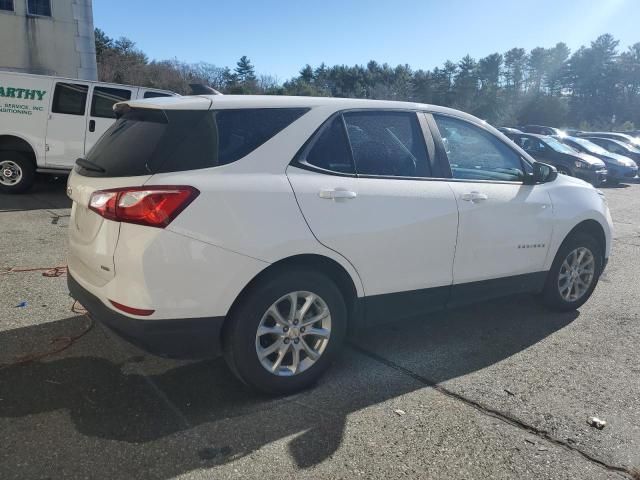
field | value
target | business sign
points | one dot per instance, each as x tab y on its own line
23	94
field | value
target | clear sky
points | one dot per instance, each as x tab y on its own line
282	36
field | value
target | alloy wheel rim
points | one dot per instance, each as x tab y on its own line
293	333
576	274
10	173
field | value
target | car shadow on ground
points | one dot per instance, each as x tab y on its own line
47	192
614	185
110	400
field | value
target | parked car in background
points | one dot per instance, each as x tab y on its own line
566	160
572	133
617	146
619	167
542	130
47	122
263	227
623	137
509	130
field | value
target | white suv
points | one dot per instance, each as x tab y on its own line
263	227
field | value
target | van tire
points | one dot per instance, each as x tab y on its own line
240	332
16	164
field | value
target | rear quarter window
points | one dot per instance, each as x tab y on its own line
147	141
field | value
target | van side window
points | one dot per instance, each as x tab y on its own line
104	98
69	98
156	95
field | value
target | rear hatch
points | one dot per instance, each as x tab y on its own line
93	239
139	144
161	135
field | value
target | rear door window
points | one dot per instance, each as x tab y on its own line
329	149
146	141
387	143
104	98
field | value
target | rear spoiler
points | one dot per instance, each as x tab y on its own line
202	89
120	109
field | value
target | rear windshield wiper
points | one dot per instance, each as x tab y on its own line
94	167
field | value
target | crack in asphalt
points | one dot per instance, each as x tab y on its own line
55	217
493	413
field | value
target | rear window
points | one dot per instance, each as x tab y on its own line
146	141
151	94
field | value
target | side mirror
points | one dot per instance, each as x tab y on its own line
543	173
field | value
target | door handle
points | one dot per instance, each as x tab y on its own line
474	197
92	125
337	193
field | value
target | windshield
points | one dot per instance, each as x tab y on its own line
590	146
559	146
631	148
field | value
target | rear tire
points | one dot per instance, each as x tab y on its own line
17	172
574	273
245	343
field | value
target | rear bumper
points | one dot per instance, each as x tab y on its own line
176	338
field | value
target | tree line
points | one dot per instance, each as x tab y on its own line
597	86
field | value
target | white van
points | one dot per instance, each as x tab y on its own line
47	122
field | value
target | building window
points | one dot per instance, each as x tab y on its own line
6	5
39	7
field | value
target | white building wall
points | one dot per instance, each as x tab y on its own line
62	44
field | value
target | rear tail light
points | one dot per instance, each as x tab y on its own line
154	206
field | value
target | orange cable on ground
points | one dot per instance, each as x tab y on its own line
63	342
59	271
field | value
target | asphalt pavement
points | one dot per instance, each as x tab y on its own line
497	390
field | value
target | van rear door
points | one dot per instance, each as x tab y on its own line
67	123
101	115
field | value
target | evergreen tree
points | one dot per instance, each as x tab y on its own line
244	70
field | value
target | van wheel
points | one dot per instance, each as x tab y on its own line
574	274
17	172
286	331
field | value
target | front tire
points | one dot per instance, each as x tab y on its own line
565	170
17	172
574	274
286	331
